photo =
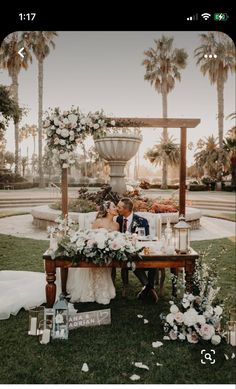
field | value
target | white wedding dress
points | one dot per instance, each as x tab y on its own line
91	285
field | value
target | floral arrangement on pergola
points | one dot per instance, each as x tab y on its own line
66	129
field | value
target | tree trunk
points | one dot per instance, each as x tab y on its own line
220	101
40	121
165	136
16	123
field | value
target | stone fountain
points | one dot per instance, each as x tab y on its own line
118	147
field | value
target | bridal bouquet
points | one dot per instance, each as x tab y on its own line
198	315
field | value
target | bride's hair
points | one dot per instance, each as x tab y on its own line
103	208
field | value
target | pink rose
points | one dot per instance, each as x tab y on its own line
172	335
207	331
179	317
193	337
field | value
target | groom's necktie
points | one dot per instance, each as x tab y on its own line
125	225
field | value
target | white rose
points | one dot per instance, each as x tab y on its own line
58	131
113	122
96	126
56	122
83	121
201	319
170	319
191	297
190	317
181	336
208	312
218	310
72	118
65	165
185	303
216	339
56	141
65	113
174	309
72	133
65	133
62	142
71	138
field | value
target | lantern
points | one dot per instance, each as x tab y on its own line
60	329
182	236
36	315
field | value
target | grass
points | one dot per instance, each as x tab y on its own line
12	213
110	350
225	216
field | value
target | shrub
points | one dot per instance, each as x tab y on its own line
195	188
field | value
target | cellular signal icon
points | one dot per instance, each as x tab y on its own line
194	17
205	16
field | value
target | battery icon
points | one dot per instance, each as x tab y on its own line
221	17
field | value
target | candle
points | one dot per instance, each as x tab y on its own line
46	336
158	227
232	338
33	326
182	242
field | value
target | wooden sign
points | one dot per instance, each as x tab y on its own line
89	319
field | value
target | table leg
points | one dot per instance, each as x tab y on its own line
175	272
64	275
50	286
189	270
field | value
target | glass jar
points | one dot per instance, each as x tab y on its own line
36	315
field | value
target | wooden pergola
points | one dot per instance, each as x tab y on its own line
182	124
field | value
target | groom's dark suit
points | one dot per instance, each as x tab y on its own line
146	280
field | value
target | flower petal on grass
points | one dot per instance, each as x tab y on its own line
140	316
141	366
85	368
166	337
134	377
145	321
159	364
233	356
226	357
157	344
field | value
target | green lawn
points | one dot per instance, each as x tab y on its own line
110	350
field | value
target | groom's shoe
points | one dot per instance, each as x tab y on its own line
153	294
143	293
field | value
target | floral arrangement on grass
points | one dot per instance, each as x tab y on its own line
98	246
198	315
64	130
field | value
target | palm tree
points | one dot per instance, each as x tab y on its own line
230	148
13	62
40	42
210	157
166	150
163	64
217	68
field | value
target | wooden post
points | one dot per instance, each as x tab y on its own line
182	175
64	191
64	200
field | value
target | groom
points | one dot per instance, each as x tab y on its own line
129	221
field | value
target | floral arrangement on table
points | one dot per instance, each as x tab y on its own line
98	245
198	316
64	130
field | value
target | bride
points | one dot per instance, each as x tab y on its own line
95	284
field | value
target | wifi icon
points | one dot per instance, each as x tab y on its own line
205	16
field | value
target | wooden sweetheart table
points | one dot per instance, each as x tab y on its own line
160	261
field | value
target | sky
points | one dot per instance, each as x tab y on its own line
103	70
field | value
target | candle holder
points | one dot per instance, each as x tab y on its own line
231	332
182	236
36	315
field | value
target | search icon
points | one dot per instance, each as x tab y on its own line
207	356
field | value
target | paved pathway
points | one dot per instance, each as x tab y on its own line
22	226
